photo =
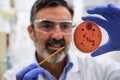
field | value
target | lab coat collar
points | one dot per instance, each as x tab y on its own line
73	59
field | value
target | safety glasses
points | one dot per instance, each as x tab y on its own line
48	26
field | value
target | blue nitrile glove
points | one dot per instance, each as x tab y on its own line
110	22
31	72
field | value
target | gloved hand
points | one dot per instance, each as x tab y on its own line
29	73
110	22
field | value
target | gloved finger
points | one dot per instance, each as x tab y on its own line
20	75
103	49
97	20
103	11
33	73
114	9
97	10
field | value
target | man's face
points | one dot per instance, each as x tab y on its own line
49	40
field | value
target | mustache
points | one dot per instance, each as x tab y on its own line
51	41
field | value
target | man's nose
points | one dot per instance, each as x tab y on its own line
57	34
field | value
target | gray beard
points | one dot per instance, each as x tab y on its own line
56	58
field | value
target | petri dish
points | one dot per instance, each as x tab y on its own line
87	36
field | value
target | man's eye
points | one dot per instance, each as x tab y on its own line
66	26
47	26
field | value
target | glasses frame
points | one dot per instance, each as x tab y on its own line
54	21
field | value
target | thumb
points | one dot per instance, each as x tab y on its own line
102	50
33	74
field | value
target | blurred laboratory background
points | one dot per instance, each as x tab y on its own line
15	44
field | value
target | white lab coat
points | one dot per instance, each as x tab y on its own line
84	68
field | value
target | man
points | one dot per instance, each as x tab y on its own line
50	29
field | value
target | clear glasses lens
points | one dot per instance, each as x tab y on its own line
48	26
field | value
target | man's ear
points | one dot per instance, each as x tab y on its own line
31	33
